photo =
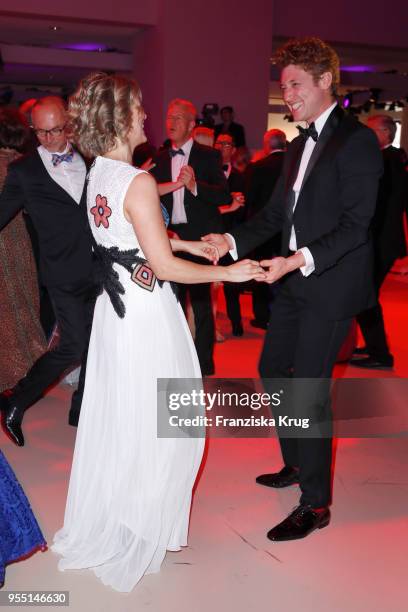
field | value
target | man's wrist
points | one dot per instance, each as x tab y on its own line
296	261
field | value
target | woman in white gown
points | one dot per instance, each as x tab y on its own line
130	492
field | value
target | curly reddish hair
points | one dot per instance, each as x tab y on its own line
100	112
312	55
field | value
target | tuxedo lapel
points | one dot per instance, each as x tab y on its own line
323	141
292	172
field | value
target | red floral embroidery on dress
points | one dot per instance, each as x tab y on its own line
101	211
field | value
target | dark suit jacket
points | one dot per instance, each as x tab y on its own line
332	216
261	178
388	224
60	223
202	211
236	182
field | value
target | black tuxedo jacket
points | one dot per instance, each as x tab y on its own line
332	217
388	223
60	223
261	178
202	211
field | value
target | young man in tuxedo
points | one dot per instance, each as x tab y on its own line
389	244
50	185
192	185
261	178
323	204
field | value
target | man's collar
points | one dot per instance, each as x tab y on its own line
42	149
321	120
186	147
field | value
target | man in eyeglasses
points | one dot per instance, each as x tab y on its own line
50	185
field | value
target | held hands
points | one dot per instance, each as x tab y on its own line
187	177
245	270
220	241
279	266
202	249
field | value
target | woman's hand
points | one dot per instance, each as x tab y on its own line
245	270
197	248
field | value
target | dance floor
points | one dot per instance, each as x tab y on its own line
357	564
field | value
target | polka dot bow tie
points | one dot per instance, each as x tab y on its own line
65	157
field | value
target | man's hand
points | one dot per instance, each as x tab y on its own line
187	177
238	199
279	266
220	241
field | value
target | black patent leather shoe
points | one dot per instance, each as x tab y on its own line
11	420
285	478
302	521
371	363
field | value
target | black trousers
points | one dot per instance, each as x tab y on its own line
300	344
232	292
73	306
200	298
371	321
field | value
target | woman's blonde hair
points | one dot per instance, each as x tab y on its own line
100	112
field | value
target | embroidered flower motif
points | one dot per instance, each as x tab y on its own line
101	211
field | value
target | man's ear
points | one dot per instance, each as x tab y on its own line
326	80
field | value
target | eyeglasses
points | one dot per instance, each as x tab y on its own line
56	131
224	145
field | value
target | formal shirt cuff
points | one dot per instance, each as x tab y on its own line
194	191
233	252
307	269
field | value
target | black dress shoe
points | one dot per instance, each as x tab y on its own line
237	329
285	478
302	521
371	363
259	324
11	420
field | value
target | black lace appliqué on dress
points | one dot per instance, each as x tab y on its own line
108	278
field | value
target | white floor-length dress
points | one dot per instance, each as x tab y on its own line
130	492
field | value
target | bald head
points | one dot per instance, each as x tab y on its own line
49	118
274	140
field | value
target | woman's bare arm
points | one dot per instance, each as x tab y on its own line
142	209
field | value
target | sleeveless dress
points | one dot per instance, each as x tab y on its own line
130	492
20	534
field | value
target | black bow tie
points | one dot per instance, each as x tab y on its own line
225	167
309	131
174	152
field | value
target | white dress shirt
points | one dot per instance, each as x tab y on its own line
69	175
306	155
178	214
